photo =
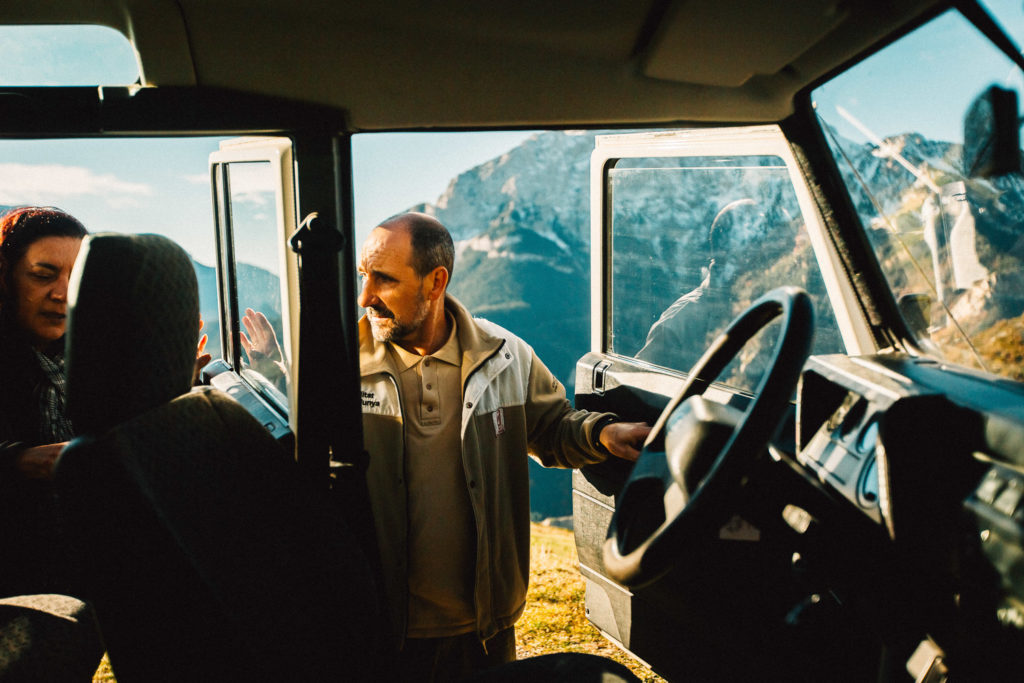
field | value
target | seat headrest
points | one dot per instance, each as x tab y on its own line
133	324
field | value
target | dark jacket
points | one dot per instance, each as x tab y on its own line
30	552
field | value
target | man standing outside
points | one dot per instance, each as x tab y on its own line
451	405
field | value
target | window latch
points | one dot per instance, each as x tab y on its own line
599	376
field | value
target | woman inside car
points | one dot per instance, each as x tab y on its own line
38	247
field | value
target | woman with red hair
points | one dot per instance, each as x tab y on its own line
38	247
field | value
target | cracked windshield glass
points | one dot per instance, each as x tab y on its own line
949	240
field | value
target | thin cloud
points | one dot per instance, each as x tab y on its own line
256	198
252	182
51	183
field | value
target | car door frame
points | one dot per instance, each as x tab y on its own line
637	389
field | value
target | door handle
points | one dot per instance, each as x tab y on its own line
598	377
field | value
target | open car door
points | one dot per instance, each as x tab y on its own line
689	228
253	191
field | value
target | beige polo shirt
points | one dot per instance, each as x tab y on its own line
442	531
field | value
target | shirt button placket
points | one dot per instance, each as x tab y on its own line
429	406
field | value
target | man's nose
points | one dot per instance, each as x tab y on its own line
366	296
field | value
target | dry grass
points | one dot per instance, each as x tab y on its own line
555	618
104	674
1001	345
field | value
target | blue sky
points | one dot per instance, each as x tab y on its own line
394	171
66	55
954	65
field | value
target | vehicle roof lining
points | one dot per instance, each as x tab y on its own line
412	65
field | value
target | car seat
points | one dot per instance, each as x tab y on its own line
205	551
48	637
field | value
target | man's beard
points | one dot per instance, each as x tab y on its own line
387	328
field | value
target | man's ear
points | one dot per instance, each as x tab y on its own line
437	282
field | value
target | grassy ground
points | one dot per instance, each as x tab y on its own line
104	673
555	619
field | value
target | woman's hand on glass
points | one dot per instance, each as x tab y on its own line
202	358
260	343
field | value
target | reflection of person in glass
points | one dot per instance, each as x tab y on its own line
259	341
681	333
38	247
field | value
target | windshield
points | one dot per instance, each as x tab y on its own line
949	242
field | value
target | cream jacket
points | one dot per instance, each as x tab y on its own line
511	406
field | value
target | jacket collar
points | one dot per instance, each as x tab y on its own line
477	345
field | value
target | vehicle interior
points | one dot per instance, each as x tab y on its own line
833	486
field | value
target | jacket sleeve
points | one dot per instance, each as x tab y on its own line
558	435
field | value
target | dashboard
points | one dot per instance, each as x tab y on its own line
933	457
842	453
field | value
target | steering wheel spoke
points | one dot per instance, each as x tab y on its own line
652	480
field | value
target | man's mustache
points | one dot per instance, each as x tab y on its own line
380	312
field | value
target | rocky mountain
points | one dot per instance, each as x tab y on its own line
541	185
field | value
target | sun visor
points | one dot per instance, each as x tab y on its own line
689	47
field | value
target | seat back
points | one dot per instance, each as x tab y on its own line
206	553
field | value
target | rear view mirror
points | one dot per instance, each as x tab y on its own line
992	134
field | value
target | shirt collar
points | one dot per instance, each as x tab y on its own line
450	352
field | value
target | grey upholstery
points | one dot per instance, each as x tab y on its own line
134	319
47	638
562	667
206	553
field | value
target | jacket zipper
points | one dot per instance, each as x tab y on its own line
462	448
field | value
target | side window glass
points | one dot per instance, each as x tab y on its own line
249	210
70	55
124	185
694	241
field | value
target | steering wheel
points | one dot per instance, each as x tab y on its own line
698	451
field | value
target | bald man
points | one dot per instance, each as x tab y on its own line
452	407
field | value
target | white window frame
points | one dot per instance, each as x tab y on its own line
278	152
744	141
